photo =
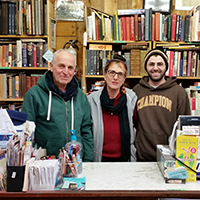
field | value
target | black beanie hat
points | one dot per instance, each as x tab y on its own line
154	52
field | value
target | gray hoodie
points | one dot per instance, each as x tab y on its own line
97	121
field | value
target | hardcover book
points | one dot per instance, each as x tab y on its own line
30	54
24	54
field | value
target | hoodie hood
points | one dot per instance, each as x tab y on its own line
47	84
170	82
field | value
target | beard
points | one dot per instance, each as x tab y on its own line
156	79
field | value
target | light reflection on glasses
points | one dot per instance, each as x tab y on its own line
113	73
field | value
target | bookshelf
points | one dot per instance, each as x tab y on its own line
22	67
183	60
91	75
170	32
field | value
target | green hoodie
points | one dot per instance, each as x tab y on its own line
53	119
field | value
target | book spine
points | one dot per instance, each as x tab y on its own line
41	51
17	86
19	53
147	24
180	28
128	29
24	54
143	28
34	56
9	55
4	56
173	29
150	23
30	54
136	27
132	28
189	60
9	19
187	25
157	26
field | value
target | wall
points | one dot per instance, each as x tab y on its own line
66	31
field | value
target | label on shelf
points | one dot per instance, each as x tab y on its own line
100	47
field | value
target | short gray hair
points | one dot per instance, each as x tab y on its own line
62	50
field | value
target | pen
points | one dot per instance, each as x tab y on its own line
186	165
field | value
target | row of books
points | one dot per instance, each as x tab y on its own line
144	25
16	85
184	63
96	59
184	60
23	53
23	17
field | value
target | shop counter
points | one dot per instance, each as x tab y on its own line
138	180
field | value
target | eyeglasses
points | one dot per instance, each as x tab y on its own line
113	73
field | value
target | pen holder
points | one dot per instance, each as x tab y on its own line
72	157
73	168
15	178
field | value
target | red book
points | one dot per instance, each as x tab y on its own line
33	81
171	63
97	29
136	27
193	63
142	26
34	56
123	19
193	106
28	83
4	56
173	27
128	28
157	26
189	63
132	28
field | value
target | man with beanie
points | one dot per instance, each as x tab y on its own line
160	101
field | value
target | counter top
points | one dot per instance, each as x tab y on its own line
129	176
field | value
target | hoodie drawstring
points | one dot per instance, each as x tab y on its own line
72	110
49	106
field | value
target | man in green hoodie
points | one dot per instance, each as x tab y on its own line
57	105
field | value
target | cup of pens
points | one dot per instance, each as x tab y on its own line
71	157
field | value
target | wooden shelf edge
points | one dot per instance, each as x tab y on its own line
116	41
136	77
23	68
12	100
23	36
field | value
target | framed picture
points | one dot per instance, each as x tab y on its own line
68	10
162	6
185	4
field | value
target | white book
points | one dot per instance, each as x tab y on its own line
89	27
93	27
19	53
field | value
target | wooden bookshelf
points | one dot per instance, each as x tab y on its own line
42	35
